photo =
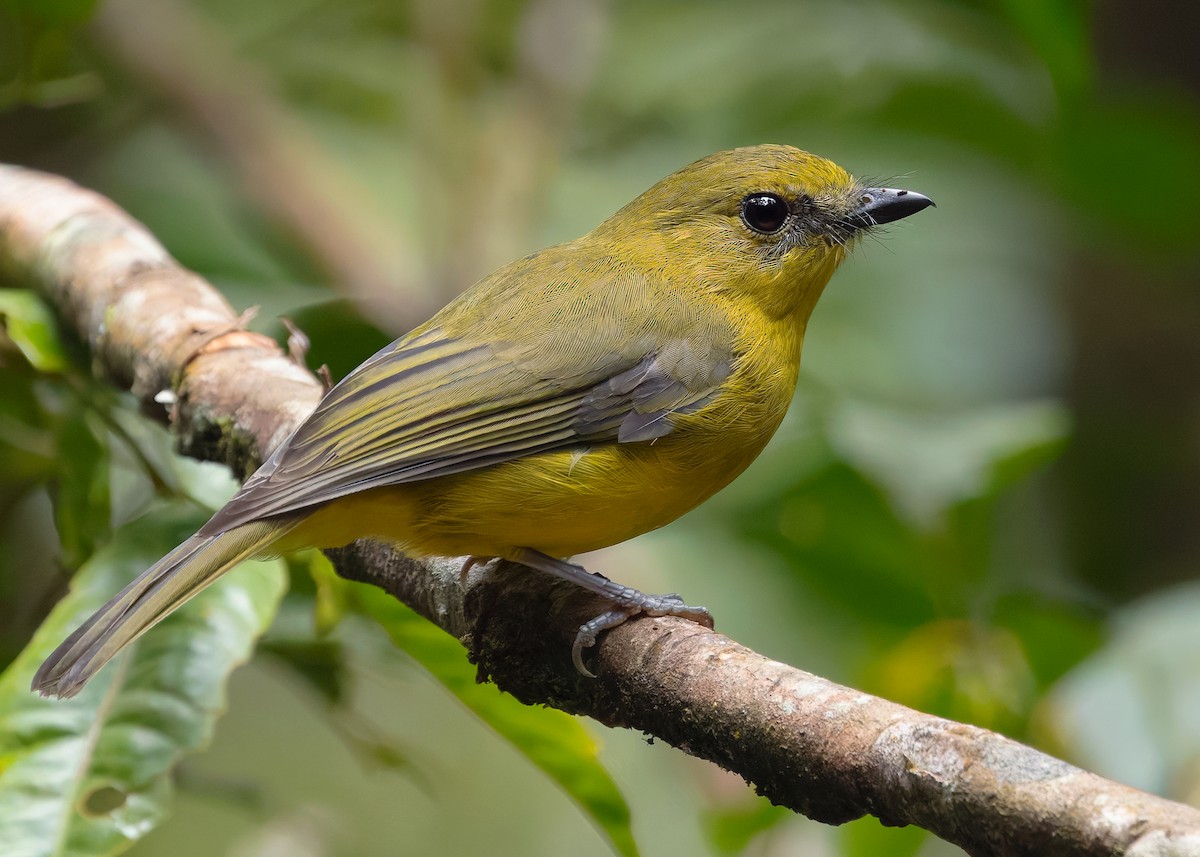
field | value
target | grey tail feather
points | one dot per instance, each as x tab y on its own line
135	609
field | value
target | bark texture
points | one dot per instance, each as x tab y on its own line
830	752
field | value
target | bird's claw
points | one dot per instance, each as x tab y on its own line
625	602
635	604
468	564
674	605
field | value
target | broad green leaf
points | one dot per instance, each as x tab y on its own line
552	740
31	327
90	775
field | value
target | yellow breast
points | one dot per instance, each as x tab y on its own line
576	500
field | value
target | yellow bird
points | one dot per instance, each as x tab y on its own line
573	399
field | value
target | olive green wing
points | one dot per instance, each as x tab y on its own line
431	405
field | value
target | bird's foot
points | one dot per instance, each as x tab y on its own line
626	602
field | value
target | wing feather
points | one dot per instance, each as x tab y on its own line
432	405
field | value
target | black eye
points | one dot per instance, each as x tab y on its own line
764	212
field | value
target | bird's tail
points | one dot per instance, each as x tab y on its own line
135	609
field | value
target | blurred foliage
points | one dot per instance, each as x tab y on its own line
555	742
91	774
984	502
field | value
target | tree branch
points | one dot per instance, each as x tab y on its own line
827	751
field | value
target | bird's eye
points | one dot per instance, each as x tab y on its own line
764	212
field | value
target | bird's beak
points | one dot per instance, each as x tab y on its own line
883	205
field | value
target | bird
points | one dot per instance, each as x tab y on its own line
573	399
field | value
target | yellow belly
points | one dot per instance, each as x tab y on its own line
573	501
560	503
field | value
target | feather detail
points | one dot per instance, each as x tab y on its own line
431	406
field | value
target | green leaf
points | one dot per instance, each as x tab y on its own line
329	603
929	463
1056	635
55	11
955	668
81	490
730	830
555	742
31	327
866	837
1059	32
840	535
90	775
338	335
1130	710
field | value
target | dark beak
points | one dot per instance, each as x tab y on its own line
883	205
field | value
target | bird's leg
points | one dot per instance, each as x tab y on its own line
626	601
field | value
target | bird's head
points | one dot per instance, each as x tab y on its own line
770	223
